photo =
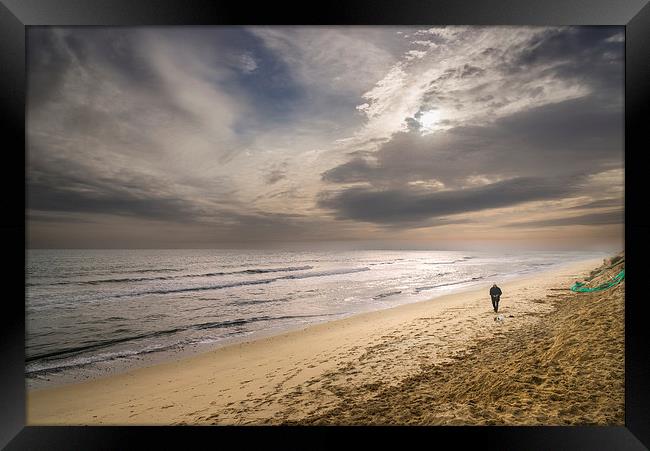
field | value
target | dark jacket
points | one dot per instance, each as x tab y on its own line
495	291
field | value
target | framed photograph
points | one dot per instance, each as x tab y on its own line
391	220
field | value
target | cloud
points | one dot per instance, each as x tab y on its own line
48	64
408	206
74	191
273	132
72	198
474	74
592	219
275	176
576	136
565	52
355	170
513	109
347	59
137	124
248	63
602	203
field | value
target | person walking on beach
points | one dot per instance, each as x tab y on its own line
495	294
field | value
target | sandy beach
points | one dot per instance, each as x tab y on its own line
554	357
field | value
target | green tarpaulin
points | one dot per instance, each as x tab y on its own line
580	286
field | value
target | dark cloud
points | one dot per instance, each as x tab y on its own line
567	43
83	203
413	205
64	185
67	192
275	176
595	219
413	124
355	170
52	53
587	128
575	136
584	54
59	193
47	65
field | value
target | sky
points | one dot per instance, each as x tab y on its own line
325	137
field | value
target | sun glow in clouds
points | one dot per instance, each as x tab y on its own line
428	121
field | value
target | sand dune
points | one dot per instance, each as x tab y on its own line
556	357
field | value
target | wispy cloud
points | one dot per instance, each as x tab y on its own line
588	219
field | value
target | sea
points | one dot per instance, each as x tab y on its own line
91	313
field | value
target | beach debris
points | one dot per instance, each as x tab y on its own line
604	275
618	278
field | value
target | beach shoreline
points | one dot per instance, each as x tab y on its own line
293	375
94	314
115	366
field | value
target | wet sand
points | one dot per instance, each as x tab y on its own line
555	357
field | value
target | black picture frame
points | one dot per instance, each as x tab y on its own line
16	15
